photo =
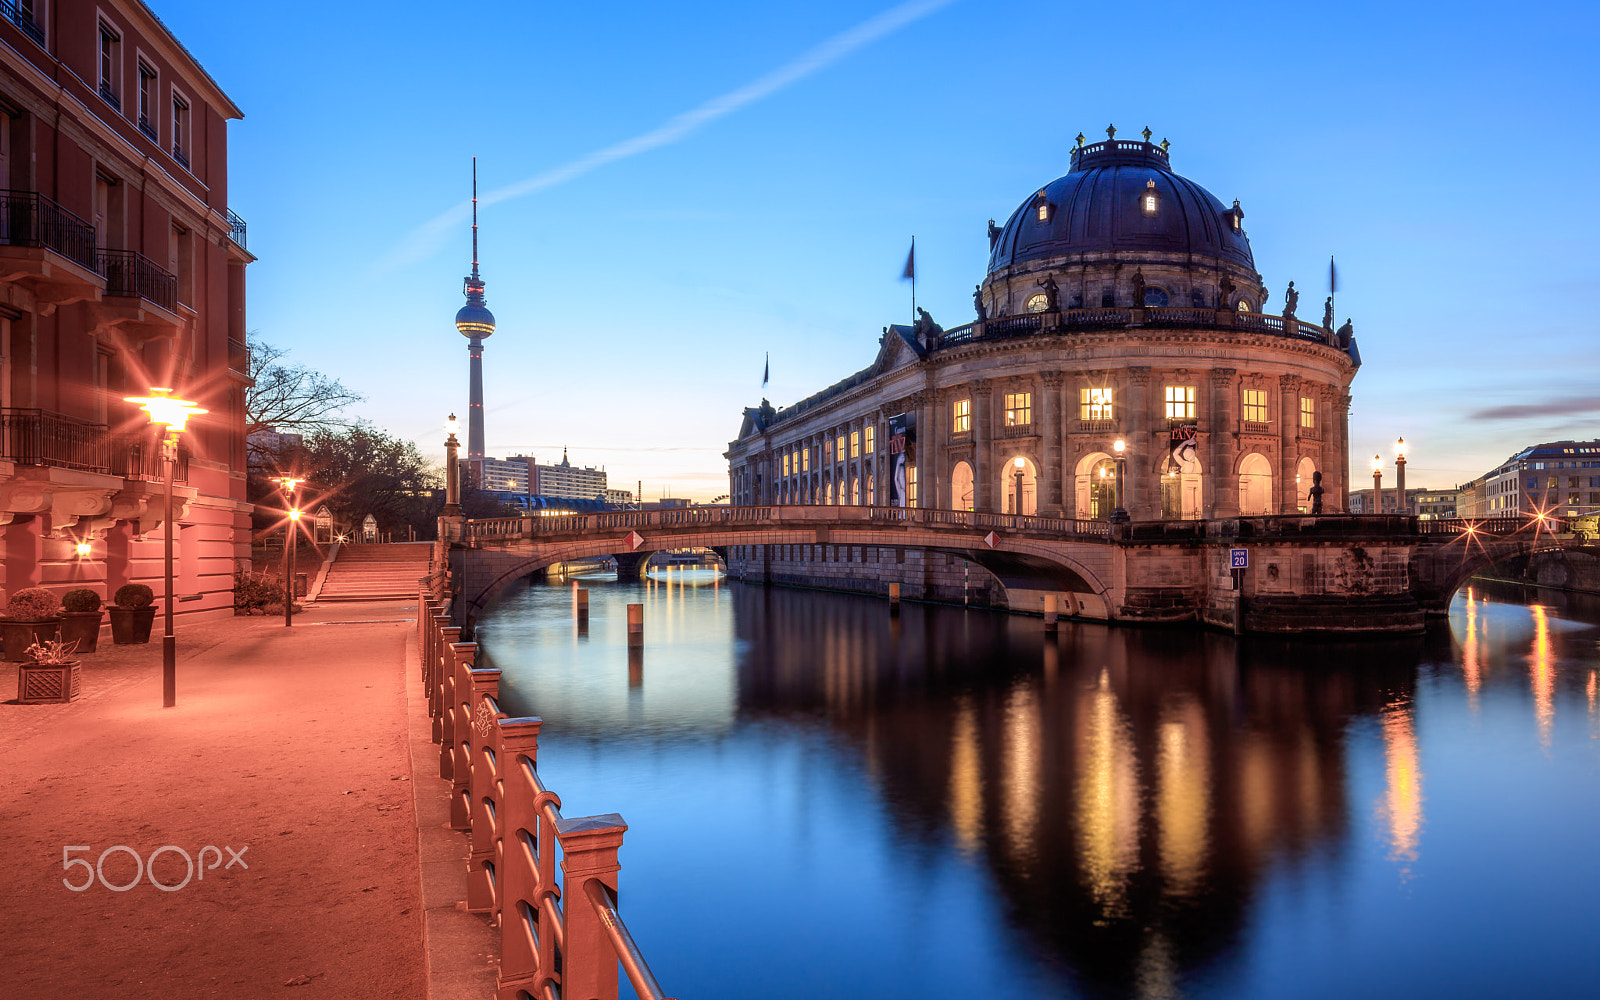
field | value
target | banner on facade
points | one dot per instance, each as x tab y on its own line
1183	446
902	450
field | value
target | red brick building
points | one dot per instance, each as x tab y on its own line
121	268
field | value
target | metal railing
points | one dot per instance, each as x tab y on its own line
41	437
238	356
147	128
179	155
28	218
25	21
558	937
1121	316
110	96
132	274
236	229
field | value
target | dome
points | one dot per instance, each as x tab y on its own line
1101	207
475	321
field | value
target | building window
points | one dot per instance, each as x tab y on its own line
1308	412
1154	297
1094	404
180	131
1038	302
961	416
1180	402
855	444
110	64
786	465
1255	406
805	459
1044	211
838	449
867	447
1150	200
911	485
1019	409
147	99
1244	306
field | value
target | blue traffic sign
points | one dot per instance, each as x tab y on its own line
1238	558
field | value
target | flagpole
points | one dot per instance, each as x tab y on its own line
913	280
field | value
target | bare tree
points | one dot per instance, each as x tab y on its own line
289	399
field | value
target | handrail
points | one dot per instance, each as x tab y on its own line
633	963
28	218
130	273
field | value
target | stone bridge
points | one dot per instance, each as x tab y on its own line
1337	573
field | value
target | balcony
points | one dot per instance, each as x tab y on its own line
141	298
48	250
55	440
25	21
236	229
131	274
238	356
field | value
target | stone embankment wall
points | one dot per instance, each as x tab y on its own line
923	574
1576	571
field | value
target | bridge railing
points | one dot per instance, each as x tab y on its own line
560	934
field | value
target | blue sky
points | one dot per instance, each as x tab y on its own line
1444	152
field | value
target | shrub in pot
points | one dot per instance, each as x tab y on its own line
80	619
49	675
32	616
132	614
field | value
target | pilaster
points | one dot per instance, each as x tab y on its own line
1050	475
1220	423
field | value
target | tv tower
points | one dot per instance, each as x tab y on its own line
475	322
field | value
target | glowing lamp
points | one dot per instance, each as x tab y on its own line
1377	463
1120	446
1400	448
294	515
1018	463
452	426
84	548
165	408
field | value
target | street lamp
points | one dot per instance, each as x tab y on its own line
291	542
1017	464
1400	504
1120	515
452	473
173	414
1377	484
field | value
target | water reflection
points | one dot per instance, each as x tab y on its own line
1402	800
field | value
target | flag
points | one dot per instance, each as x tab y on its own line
910	273
1333	277
766	371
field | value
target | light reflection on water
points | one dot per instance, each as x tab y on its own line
825	801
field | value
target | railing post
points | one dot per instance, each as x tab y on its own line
482	798
588	852
517	878
444	723
440	636
459	713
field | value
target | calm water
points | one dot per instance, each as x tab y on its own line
824	802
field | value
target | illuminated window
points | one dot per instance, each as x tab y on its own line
1308	412
911	485
962	416
1044	211
786	465
1255	406
1019	409
1094	404
805	460
867	447
1038	302
855	444
838	449
872	496
1150	201
1180	402
1244	306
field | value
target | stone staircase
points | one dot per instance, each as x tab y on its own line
376	572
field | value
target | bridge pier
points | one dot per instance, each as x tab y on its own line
630	565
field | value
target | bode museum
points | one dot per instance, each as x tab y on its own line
1122	327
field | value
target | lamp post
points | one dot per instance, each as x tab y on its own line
1120	515
1400	505
1377	484
291	542
173	414
452	471
1017	464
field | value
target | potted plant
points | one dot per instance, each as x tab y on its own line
31	616
49	675
80	619
132	614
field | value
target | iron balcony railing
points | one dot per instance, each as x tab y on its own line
28	218
110	96
40	437
22	19
238	356
179	155
236	229
130	273
147	128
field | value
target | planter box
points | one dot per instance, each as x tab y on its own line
130	625
82	627
47	684
19	635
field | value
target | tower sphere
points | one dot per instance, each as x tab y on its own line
474	320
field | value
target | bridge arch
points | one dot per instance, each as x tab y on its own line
1438	574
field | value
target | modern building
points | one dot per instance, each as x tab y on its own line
121	269
563	479
1557	477
1423	503
1121	304
528	483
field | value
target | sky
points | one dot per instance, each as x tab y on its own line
671	192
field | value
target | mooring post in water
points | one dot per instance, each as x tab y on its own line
583	606
636	666
1050	615
636	625
894	598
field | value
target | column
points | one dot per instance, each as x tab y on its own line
1146	447
1289	491
929	448
1049	488
1339	469
1219	422
983	490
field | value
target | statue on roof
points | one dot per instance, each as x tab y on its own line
1291	299
926	329
1138	288
1327	314
994	233
1052	293
977	303
1225	290
1345	333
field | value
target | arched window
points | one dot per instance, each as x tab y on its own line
1154	296
1038	302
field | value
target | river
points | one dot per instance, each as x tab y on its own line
824	801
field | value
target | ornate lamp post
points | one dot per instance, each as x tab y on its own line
173	414
1120	515
1377	484
452	469
291	542
1400	504
1017	465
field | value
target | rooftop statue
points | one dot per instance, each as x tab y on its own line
1138	288
1327	313
994	232
1052	293
977	303
1291	299
926	329
1225	290
1345	333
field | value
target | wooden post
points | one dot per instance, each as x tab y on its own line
589	852
636	666
1050	614
636	625
583	606
459	711
444	681
481	789
518	880
894	598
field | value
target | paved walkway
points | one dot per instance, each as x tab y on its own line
294	747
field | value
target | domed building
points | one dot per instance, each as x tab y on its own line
1121	304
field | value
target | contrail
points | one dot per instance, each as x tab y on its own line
428	235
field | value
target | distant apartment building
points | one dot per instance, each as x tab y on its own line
123	270
1559	477
1423	503
526	477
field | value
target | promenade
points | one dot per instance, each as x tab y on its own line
295	748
